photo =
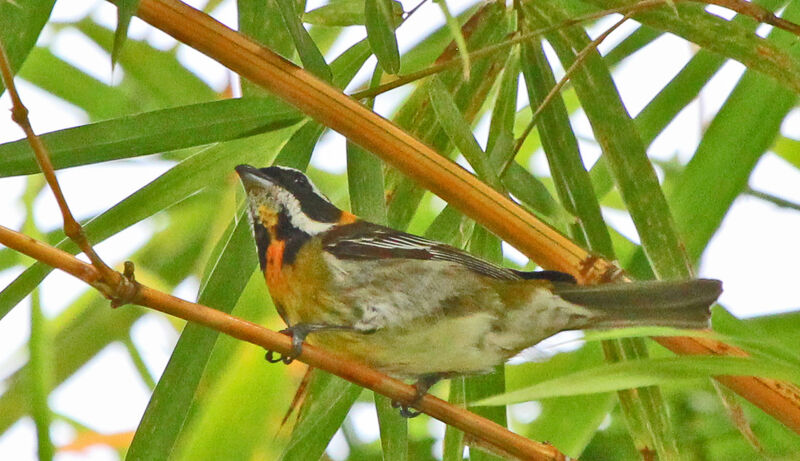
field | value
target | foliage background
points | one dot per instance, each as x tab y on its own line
188	238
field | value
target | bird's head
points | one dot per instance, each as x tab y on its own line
283	199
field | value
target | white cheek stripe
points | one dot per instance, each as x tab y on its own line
299	219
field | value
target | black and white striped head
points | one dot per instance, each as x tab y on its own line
281	196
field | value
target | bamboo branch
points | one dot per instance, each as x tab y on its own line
111	283
480	428
332	108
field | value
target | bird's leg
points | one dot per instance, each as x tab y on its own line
298	333
422	385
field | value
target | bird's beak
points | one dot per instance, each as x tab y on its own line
252	177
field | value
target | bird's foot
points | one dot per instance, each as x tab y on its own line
298	333
421	386
405	411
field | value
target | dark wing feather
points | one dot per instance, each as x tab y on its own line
364	240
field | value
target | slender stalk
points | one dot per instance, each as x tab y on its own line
773	199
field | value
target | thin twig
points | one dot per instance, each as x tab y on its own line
757	12
774	199
410	12
491	433
112	284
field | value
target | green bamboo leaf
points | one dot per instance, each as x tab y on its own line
296	153
138	363
21	22
342	13
747	133
430	48
673	98
569	423
234	369
649	372
262	21
365	180
459	131
500	149
623	149
451	227
504	113
320	416
572	182
380	32
453	449
337	13
347	64
394	430
151	132
487	246
125	11
458	37
788	149
533	193
310	55
156	76
169	405
635	41
728	38
58	77
686	85
40	362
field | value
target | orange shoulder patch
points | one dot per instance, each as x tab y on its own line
347	218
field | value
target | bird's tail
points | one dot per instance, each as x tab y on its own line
678	304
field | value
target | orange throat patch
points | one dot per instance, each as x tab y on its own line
274	275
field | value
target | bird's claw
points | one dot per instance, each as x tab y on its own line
405	411
271	358
297	347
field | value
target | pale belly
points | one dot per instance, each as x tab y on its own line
462	345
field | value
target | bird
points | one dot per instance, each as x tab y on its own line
417	309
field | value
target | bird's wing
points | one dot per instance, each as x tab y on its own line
364	240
